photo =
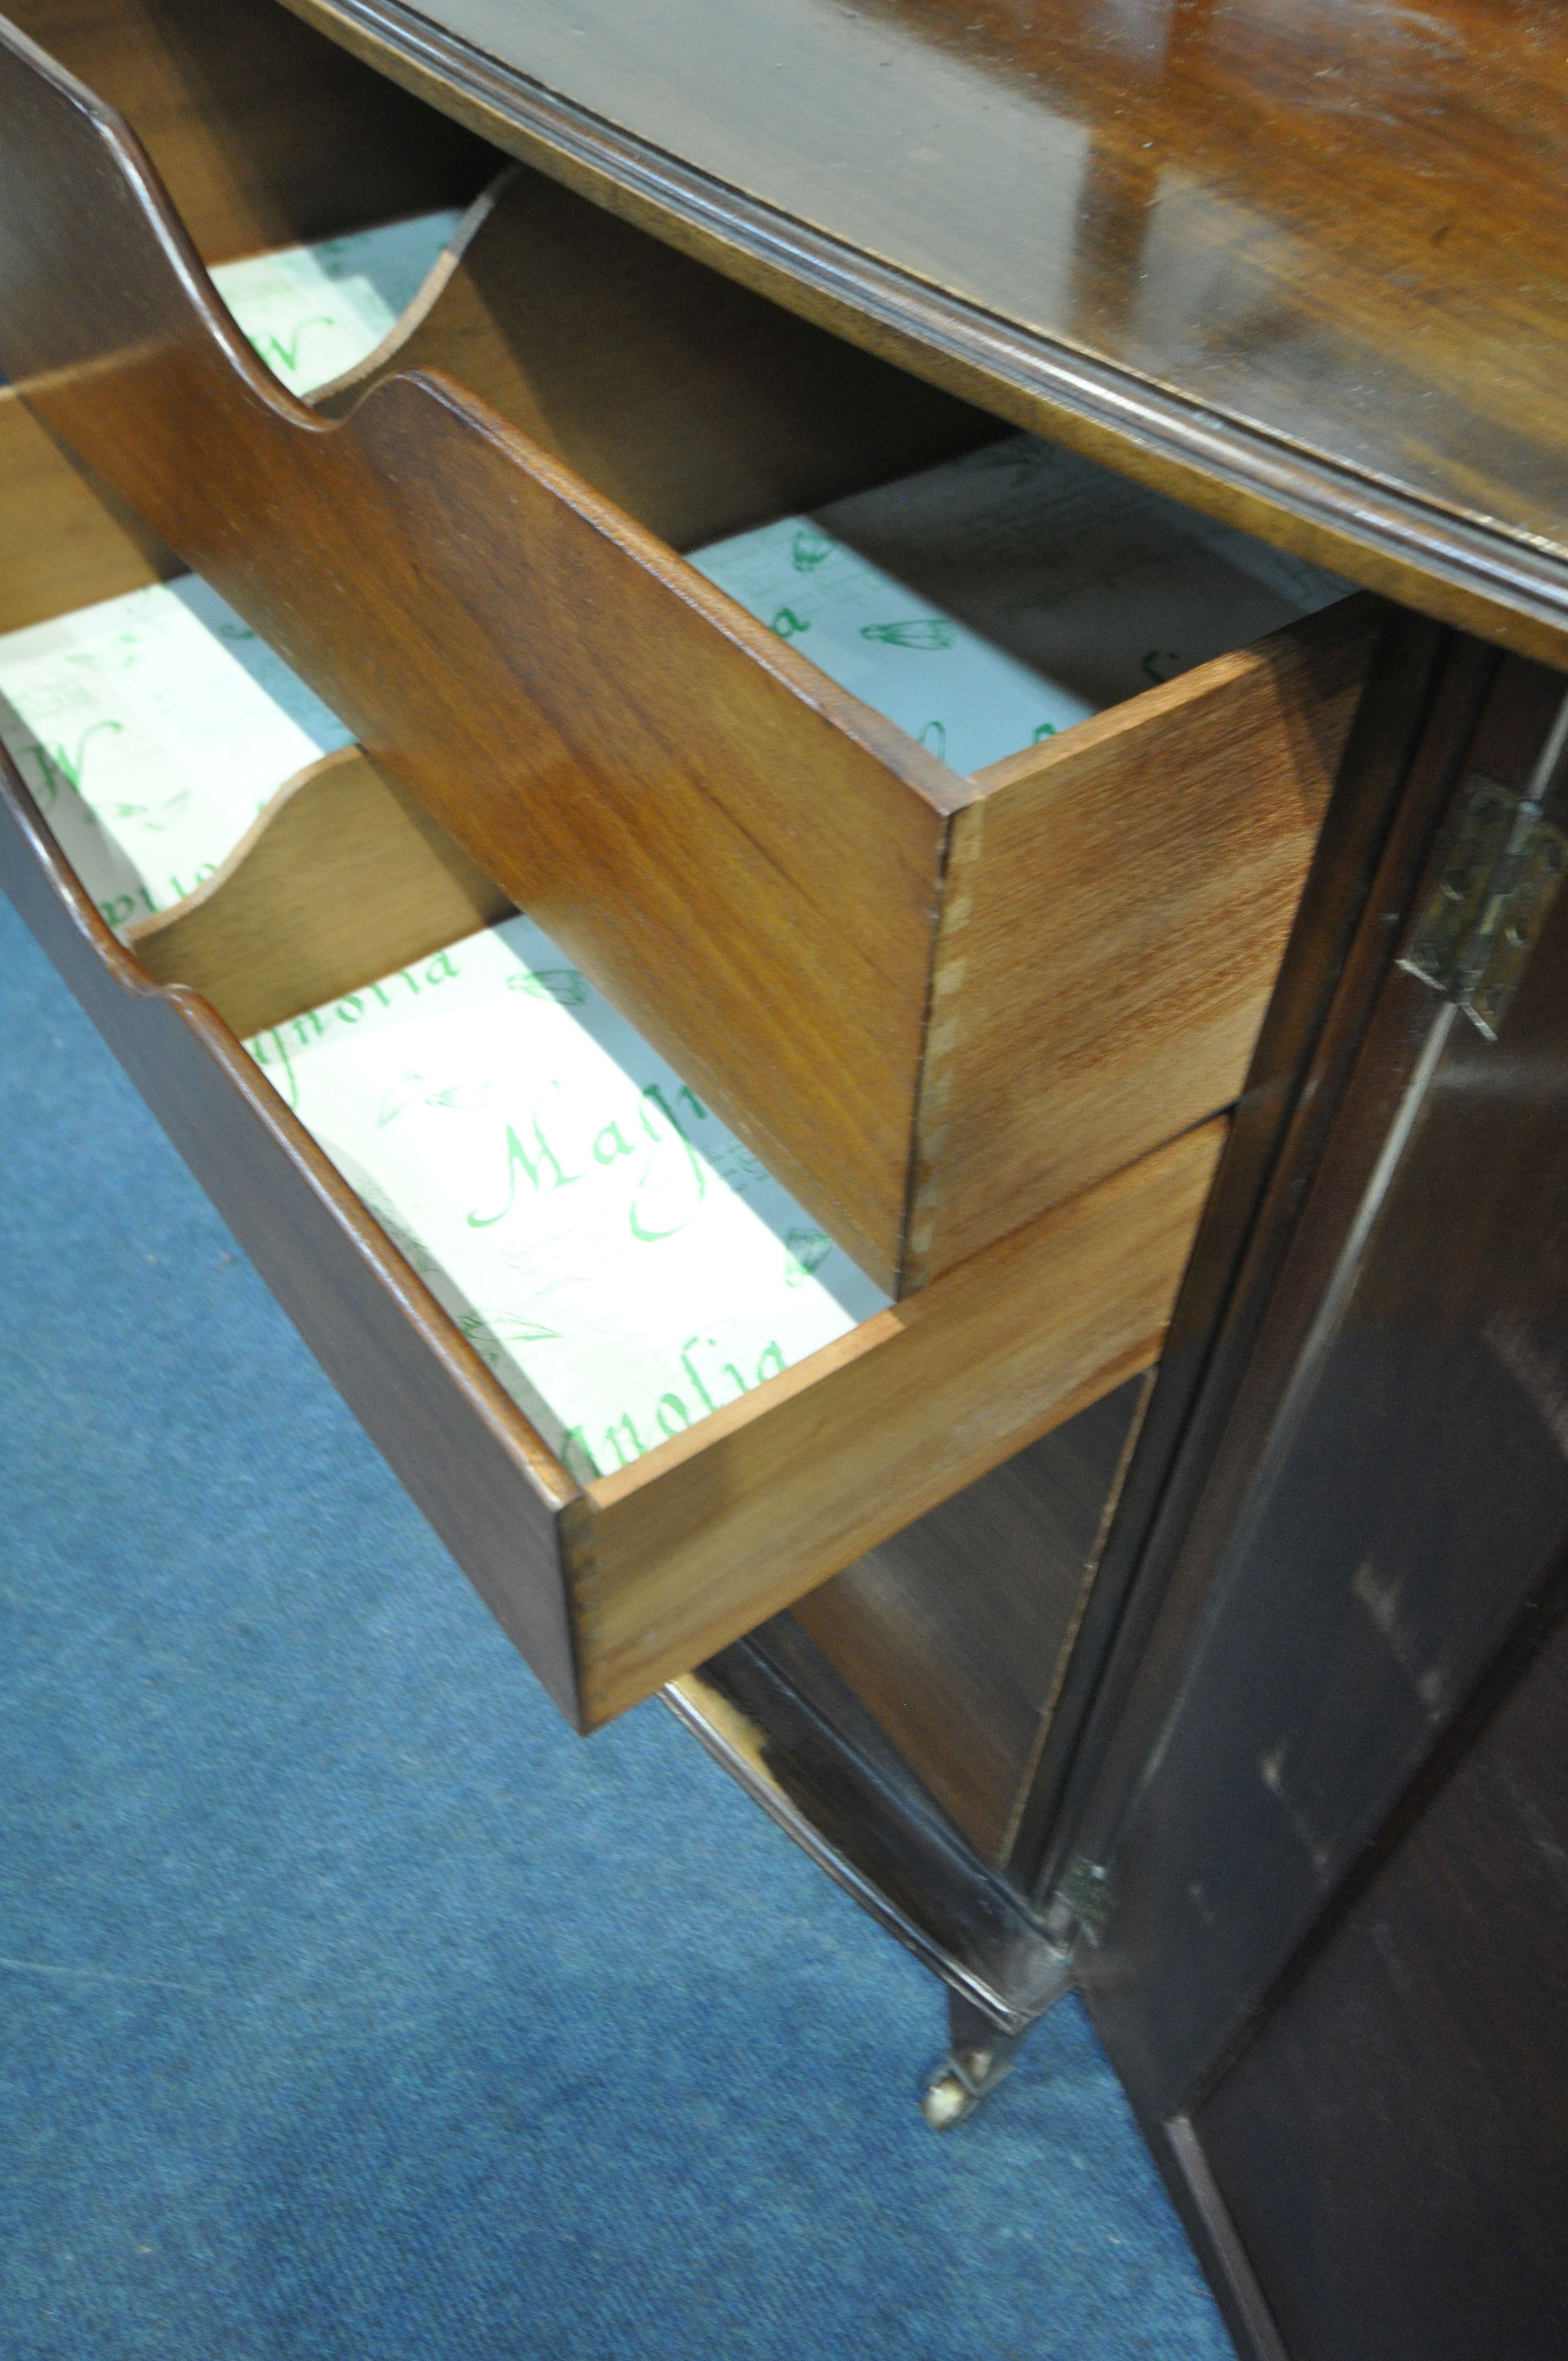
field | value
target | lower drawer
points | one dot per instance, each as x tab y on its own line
608	1586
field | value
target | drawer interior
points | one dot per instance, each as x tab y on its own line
814	483
753	1416
609	1248
984	603
638	1266
935	1000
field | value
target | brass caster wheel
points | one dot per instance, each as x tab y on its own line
963	2079
947	2100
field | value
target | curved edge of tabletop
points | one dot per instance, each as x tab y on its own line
1410	550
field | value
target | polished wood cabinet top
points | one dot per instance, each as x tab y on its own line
1303	265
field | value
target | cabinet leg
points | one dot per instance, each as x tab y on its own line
979	2056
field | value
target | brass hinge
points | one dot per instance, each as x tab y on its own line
1473	942
1086	1893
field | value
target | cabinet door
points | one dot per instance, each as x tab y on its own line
1282	1935
1391	2142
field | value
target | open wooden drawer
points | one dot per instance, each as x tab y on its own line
935	1007
608	1586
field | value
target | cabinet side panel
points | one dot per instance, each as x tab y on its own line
952	1632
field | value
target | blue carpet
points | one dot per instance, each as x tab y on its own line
348	2004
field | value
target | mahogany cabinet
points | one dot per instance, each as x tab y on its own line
1163	1592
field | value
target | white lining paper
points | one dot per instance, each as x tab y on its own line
617	1256
151	729
994	601
311	311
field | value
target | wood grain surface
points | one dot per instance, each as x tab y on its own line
953	1632
65	540
1423	693
1390	1482
1301	268
746	860
612	739
1408	2096
342	878
694	1543
1116	908
605	1598
605	346
264	132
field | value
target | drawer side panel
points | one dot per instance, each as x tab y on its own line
65	541
490	1488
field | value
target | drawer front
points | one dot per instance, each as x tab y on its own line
835	938
612	1588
